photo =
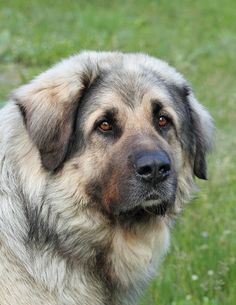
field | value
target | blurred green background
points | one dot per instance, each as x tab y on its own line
197	37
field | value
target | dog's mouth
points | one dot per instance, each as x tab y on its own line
144	214
151	207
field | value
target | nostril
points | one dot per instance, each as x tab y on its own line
164	169
144	170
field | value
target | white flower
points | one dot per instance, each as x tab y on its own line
188	297
194	277
210	272
227	232
205	300
205	234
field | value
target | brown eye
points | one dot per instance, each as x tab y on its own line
105	126
163	121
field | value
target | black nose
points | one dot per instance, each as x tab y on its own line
152	166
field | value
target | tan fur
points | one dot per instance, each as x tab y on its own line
59	241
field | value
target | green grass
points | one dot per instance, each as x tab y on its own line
198	37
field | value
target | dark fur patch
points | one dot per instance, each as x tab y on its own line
198	145
40	233
191	136
200	167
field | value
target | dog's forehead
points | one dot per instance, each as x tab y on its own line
130	85
129	88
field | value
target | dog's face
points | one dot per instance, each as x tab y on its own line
130	130
133	134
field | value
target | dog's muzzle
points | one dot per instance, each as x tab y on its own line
155	185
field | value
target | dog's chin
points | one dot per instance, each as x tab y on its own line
148	209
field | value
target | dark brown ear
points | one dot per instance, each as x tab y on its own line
51	130
49	105
200	166
202	129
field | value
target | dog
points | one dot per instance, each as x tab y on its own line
97	157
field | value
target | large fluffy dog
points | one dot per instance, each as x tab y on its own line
97	156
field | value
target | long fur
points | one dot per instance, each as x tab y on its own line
58	242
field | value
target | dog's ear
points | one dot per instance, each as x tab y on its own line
49	105
202	130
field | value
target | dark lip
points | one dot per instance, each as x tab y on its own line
152	197
141	212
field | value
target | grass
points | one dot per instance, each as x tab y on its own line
198	37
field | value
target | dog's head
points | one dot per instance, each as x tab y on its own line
127	127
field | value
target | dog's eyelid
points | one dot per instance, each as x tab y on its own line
165	114
103	119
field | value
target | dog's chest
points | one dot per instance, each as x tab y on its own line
135	257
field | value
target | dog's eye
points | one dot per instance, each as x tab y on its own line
105	126
163	121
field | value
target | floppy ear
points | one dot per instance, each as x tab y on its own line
49	105
202	128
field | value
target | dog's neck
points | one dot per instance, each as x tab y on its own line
127	262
